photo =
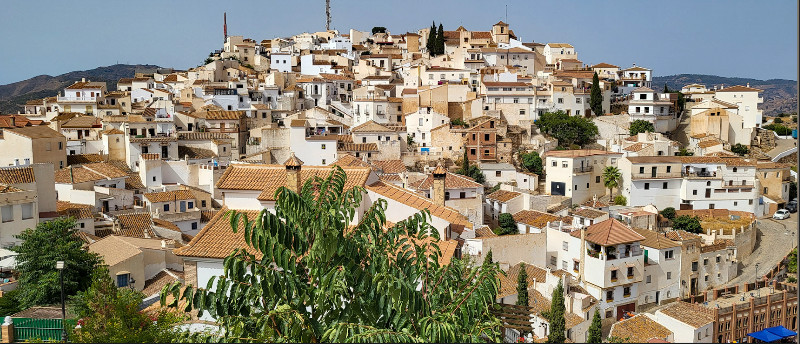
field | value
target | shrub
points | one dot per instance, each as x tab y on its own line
620	200
668	212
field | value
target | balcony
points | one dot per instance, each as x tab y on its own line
76	99
738	184
658	175
701	175
583	169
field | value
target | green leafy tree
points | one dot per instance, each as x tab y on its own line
779	129
469	170
111	315
641	126
595	333
41	247
596	96
777	120
308	275
611	178
9	303
668	212
684	152
690	224
458	121
556	316
615	339
568	130
792	190
507	224
620	200
792	264
378	29
409	140
740	149
440	40
522	286
532	162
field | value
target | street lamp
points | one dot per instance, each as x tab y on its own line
60	268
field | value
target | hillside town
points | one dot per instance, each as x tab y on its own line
653	214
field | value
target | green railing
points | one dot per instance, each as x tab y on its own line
43	329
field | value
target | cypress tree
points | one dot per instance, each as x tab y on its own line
430	44
595	334
440	40
556	317
522	286
465	163
488	259
596	97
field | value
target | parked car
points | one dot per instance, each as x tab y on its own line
792	206
781	214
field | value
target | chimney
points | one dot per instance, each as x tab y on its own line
167	243
439	175
293	165
748	84
83	79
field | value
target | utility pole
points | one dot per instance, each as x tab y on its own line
327	15
225	27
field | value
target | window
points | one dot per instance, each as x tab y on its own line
123	279
630	272
462	195
626	291
694	266
694	192
27	211
669	254
323	161
7	213
647	186
597	179
323	146
718	258
734	169
154	178
711	206
576	266
194	225
190	205
486	137
555	164
669	275
613	275
564	164
587	185
647	279
641	169
706	279
553	261
565	246
669	169
561	100
610	295
665	185
564	265
60	145
497	173
166	207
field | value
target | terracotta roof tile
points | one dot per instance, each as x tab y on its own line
508	283
681	235
36	132
694	315
534	218
358	147
202	136
349	160
195	152
166	224
639	329
88	172
224	115
17	175
390	166
413	200
503	195
371	127
217	239
136	225
78	211
609	232
169	196
656	240
589	213
451	181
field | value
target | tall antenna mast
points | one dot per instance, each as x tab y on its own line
327	15
225	26
506	14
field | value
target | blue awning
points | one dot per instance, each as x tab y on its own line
781	331
764	336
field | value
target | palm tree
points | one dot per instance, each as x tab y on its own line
611	179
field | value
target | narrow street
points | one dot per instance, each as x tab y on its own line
775	239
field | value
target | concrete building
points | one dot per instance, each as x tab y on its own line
33	145
577	173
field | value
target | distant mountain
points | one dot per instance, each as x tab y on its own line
13	96
780	95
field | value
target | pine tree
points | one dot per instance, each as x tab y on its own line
522	286
596	96
595	334
440	40
556	316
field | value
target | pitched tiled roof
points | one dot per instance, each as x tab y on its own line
639	329
268	178
169	196
88	172
508	283
681	235
17	175
79	159
222	114
83	122
78	211
656	240
534	218
217	239
115	249
694	315
451	181
207	215
196	153
166	224
36	132
154	285
358	147
589	213
610	232
739	88
349	160
484	232
371	127
576	153
503	195
416	201
390	166
136	225
203	136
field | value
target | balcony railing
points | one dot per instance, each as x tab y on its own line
658	175
738	184
76	99
701	174
583	169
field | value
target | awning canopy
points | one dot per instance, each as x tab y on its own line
8	263
773	334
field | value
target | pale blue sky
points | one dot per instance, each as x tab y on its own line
756	39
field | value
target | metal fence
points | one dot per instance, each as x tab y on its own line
44	329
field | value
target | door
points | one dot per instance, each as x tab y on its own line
630	307
105	206
557	188
190	125
151	131
183	206
693	289
658	293
708	193
653	172
164	150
